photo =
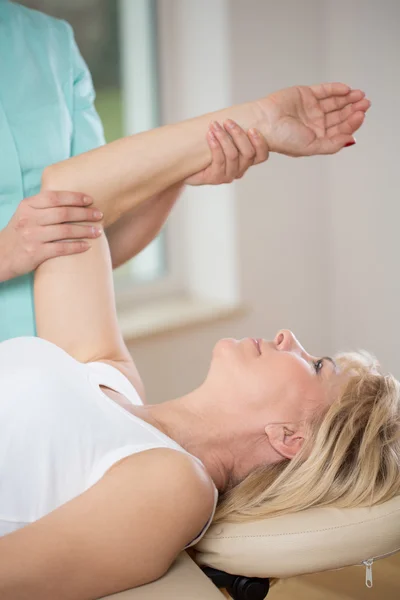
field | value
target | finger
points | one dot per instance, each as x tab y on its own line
67	214
49	199
348	127
230	151
55	233
326	90
260	146
54	249
339	116
332	145
337	102
218	161
247	151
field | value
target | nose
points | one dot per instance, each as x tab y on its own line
285	340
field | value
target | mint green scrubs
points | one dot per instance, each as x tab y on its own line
46	115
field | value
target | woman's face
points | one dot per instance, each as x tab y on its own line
276	384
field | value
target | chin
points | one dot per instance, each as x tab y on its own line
225	344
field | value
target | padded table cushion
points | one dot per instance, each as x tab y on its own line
313	540
183	581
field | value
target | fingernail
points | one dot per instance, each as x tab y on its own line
254	133
97	214
96	231
231	124
216	126
87	200
349	144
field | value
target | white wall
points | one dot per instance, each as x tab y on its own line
283	250
364	48
317	238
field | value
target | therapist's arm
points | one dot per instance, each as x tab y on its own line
130	234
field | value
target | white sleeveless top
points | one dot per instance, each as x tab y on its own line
59	432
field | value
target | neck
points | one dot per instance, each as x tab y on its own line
228	446
183	421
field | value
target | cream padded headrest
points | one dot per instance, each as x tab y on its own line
314	540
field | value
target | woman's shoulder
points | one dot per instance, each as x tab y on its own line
154	503
181	483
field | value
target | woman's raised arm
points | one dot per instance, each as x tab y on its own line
74	295
74	298
122	174
298	121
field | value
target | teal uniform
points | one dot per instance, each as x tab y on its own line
46	115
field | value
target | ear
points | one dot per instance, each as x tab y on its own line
286	440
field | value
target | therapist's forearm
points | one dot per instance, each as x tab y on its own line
136	229
121	175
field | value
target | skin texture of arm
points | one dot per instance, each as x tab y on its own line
233	153
134	231
74	295
115	536
75	308
297	121
121	175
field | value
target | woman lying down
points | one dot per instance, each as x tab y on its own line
101	492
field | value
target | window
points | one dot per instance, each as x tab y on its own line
192	267
119	43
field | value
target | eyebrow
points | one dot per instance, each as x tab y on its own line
331	361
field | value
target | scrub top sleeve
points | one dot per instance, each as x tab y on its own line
87	128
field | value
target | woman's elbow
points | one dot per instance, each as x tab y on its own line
50	178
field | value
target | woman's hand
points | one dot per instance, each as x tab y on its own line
233	151
321	119
40	227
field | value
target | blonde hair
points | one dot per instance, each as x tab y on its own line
351	458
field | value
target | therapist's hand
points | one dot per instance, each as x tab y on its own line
233	151
45	226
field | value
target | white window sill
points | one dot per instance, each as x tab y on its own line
171	314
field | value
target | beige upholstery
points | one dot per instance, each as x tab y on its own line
308	542
184	581
314	540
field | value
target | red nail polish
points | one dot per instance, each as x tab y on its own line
349	144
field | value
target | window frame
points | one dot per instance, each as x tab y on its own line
188	44
141	112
